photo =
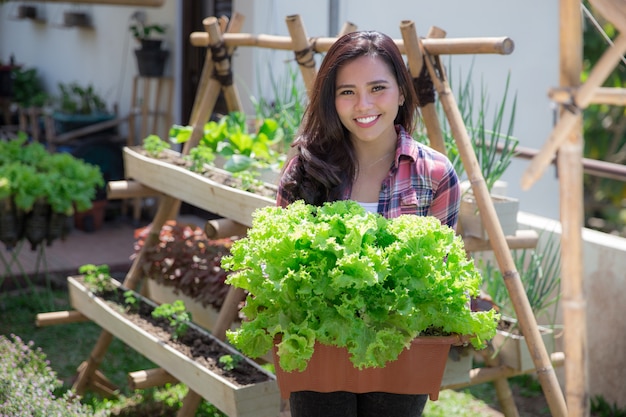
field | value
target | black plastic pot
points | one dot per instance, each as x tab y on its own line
151	62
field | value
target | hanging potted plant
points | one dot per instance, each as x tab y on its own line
151	57
349	300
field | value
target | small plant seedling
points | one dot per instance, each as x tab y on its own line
248	179
130	299
97	276
229	362
154	145
177	314
199	157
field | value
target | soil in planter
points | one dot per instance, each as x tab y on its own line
194	344
218	176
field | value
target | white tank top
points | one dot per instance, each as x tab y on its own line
371	207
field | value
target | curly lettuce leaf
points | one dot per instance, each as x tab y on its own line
341	276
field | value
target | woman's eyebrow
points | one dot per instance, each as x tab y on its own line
381	81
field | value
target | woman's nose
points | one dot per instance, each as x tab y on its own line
363	101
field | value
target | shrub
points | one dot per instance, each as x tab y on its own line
28	384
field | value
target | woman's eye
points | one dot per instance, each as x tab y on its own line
378	88
345	92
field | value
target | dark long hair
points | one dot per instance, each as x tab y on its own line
325	159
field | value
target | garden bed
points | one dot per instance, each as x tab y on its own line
192	358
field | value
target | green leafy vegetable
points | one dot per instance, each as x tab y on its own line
342	276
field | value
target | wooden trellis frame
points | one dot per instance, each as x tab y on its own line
221	38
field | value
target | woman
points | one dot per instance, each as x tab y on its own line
355	143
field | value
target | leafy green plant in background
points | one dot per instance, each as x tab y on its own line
604	128
494	143
98	277
154	145
540	273
75	98
28	90
230	138
287	103
64	181
28	383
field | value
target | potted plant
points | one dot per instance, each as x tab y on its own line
44	189
28	90
151	57
539	271
494	146
167	336
78	106
337	280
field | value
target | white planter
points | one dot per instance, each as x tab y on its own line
256	400
471	223
513	349
458	366
193	188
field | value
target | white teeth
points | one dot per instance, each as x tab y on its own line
366	119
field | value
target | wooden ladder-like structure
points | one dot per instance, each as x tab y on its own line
423	56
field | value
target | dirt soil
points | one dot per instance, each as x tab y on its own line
195	344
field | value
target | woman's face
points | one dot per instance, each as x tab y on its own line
367	97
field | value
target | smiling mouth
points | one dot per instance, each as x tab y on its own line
366	120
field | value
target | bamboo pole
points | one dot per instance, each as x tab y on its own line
569	158
416	65
59	317
221	62
449	46
348	27
122	189
149	378
601	95
568	120
526	319
234	25
304	53
613	11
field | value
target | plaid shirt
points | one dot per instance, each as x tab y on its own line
421	181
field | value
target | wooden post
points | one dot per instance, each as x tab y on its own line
526	319
570	158
148	378
305	56
416	65
59	317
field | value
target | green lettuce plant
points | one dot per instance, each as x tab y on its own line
342	276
